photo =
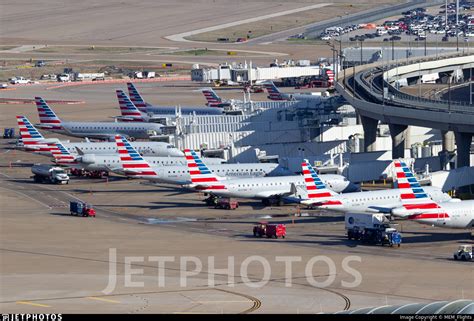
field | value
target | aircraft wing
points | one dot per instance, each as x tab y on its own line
102	136
270	194
381	209
46	126
315	203
125	118
108	137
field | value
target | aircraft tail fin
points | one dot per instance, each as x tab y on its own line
128	109
132	162
200	174
28	133
273	92
46	114
213	100
414	198
317	190
136	98
61	154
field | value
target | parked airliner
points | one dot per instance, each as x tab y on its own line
268	189
213	100
93	162
34	141
382	201
100	130
134	165
418	206
275	94
129	112
147	108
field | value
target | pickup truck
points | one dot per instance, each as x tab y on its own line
19	80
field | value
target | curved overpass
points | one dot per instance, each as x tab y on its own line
371	90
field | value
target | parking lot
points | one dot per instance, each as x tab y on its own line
419	25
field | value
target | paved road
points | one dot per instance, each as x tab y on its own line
315	29
180	36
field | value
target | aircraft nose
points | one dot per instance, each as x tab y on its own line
351	187
177	153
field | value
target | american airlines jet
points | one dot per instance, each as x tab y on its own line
372	201
275	94
134	165
213	100
100	130
34	141
264	188
147	108
92	162
130	112
418	206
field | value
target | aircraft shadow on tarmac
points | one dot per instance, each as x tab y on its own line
15	164
247	219
333	241
133	190
338	240
429	237
160	205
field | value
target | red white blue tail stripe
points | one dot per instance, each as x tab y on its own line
413	196
317	190
132	162
28	133
30	136
136	98
273	92
46	114
61	154
127	108
212	99
201	175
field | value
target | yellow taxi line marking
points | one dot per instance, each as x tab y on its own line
102	299
34	304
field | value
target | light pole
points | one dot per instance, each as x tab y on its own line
393	48
470	84
425	43
334	55
337	55
361	50
420	80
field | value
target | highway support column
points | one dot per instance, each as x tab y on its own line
463	148
449	146
399	137
448	141
370	133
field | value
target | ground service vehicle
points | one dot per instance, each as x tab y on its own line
81	209
269	230
47	173
227	203
371	228
19	80
64	77
464	253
